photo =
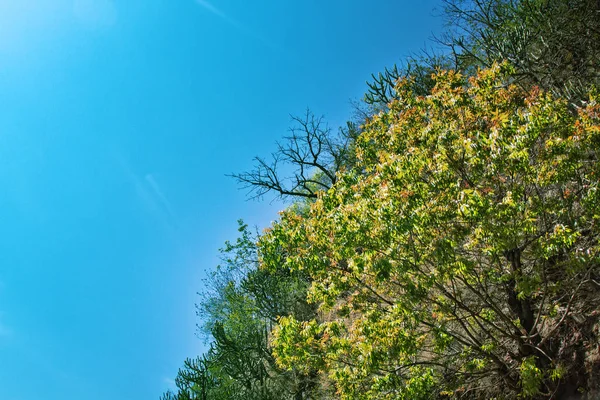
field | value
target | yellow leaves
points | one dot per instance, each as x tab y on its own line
499	118
508	199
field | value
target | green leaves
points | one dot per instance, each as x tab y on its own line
447	255
531	377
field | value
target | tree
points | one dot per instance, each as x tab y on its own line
417	71
194	381
553	44
450	243
314	153
239	306
463	260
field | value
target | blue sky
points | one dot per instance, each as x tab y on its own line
118	123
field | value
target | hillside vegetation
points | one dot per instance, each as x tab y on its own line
444	246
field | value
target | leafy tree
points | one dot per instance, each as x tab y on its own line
463	260
239	307
450	243
553	44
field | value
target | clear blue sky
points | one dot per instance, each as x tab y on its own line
118	123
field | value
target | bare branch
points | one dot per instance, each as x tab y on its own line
311	153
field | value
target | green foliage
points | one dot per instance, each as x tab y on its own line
447	248
554	44
440	267
531	377
240	305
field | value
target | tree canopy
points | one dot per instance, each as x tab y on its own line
446	245
463	259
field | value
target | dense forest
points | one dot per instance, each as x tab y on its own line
444	244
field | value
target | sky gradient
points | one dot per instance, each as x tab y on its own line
118	124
